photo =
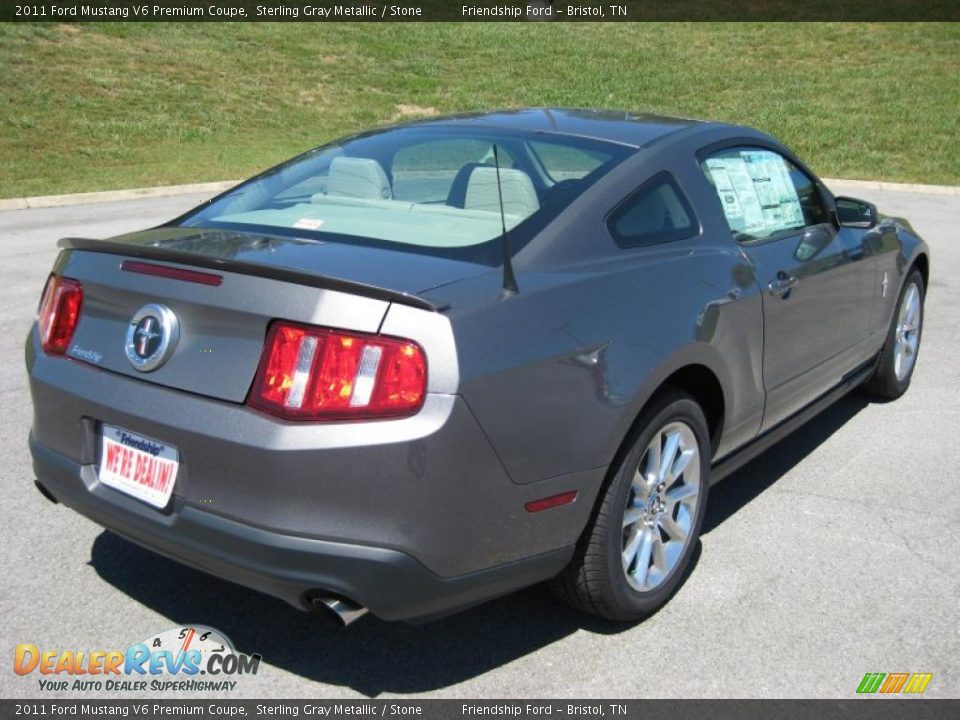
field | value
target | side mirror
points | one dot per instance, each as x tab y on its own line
853	213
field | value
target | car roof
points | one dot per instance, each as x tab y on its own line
620	126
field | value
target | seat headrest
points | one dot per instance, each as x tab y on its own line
519	195
358	178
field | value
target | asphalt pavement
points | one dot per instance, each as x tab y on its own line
832	555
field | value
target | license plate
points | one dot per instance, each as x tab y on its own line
137	465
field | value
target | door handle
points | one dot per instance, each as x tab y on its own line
782	284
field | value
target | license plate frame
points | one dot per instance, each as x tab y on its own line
137	465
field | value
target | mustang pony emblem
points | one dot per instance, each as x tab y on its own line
151	337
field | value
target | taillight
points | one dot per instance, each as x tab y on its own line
59	313
310	373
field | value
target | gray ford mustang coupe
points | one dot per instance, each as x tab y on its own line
424	366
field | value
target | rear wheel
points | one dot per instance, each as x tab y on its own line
637	549
898	357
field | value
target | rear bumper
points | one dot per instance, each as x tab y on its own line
391	584
409	518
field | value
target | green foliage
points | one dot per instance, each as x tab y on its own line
93	107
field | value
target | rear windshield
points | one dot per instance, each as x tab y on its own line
445	191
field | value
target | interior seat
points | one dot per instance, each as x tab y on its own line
458	190
519	195
358	178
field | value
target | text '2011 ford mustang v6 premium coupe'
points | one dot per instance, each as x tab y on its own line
427	365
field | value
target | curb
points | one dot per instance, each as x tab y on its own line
895	187
51	201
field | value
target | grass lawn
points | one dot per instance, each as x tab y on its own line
96	107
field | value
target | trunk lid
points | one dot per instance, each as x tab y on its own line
222	327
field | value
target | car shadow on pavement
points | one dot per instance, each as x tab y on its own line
738	490
371	656
374	657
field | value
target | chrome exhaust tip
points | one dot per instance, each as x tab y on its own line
345	612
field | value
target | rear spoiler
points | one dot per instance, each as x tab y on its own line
152	252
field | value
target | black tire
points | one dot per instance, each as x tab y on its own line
884	383
595	580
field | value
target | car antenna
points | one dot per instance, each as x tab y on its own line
509	280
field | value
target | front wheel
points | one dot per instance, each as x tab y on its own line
898	356
636	551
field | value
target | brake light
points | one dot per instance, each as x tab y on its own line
59	313
311	373
172	273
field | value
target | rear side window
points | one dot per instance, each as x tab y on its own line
656	213
762	193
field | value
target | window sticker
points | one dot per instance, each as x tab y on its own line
756	192
308	224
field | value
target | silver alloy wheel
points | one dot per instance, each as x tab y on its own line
908	333
661	506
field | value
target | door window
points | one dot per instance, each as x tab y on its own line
762	193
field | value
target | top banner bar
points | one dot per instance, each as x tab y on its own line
73	11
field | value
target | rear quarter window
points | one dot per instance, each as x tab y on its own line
656	213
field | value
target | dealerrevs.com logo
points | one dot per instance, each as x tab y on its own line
182	659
